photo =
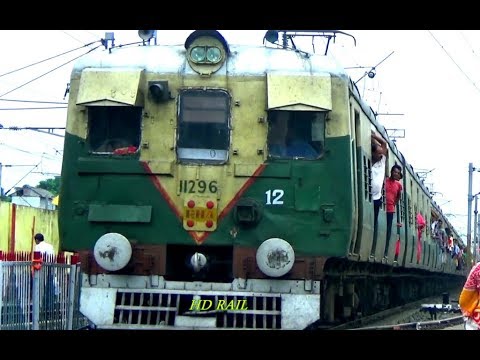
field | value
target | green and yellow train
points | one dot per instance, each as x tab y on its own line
191	206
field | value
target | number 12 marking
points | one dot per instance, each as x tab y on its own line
274	197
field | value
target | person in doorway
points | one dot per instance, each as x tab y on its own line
456	254
393	192
469	299
379	160
441	238
420	226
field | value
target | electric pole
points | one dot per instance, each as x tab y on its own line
469	221
475	213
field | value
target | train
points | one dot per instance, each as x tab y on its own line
189	211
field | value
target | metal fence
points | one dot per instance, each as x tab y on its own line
40	292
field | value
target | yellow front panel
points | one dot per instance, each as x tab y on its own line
183	182
101	87
290	90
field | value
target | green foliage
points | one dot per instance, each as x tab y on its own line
52	185
6	198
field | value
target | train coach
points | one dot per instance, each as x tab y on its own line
210	185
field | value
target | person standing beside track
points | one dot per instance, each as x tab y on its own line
48	255
42	246
469	299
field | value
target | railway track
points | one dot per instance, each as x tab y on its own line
419	325
425	314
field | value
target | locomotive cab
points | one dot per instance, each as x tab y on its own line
209	185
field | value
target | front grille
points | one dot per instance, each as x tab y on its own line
145	308
230	311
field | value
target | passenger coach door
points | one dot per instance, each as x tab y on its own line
362	229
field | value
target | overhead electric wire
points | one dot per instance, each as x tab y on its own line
39	108
94	35
45	156
46	173
39	62
50	58
453	60
36	101
50	156
38	77
469	45
74	38
6	192
70	35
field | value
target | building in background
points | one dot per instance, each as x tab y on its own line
33	197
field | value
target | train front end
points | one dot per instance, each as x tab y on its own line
184	215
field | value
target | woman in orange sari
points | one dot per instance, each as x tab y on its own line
469	297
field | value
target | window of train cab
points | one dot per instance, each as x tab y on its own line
296	134
107	137
203	134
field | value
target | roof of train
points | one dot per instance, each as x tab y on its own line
243	60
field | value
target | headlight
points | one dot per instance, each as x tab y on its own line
214	55
198	54
206	55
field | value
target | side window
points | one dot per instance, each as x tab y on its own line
296	134
203	134
114	129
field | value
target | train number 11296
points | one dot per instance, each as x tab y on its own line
197	186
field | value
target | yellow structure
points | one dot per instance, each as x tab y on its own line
19	223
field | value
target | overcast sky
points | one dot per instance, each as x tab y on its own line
428	81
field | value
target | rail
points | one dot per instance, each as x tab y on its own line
419	325
426	306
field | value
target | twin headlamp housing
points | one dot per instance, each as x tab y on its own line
205	55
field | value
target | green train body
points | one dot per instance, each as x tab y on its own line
185	214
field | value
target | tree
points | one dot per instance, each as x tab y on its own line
6	198
52	185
